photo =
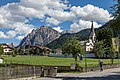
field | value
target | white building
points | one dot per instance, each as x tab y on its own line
7	49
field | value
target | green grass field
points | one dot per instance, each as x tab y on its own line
52	61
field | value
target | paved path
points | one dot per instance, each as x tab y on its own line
109	74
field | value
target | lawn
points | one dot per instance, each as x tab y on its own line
45	60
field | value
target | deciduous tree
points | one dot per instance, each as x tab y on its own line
73	47
99	49
112	54
105	35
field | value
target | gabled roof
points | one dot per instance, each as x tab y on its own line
7	47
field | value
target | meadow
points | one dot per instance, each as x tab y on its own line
53	61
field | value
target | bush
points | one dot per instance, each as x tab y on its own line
3	65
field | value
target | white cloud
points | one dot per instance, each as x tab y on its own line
17	12
7	18
22	28
77	26
58	29
2	35
20	37
15	15
52	21
66	1
90	12
61	15
11	34
42	4
23	11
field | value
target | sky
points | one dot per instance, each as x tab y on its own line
19	17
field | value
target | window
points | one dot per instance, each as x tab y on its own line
10	50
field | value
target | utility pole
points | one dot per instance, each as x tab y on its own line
119	48
85	59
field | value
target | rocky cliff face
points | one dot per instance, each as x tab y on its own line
41	36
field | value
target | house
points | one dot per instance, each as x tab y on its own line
40	50
7	49
4	45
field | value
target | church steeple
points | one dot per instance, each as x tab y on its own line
92	27
92	33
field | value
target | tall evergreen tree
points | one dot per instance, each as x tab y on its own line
116	14
116	9
105	35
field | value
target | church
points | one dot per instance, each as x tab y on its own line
89	44
91	40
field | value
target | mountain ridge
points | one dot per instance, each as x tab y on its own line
41	36
47	36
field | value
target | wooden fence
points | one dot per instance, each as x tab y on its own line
22	71
11	72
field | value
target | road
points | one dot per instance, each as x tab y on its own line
109	74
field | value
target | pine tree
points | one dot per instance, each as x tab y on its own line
115	24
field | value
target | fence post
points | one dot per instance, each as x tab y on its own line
34	71
28	71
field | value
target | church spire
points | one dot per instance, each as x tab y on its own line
92	33
92	28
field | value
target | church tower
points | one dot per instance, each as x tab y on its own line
92	33
90	43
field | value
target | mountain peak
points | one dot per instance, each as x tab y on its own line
41	36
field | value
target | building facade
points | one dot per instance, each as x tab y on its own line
7	49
